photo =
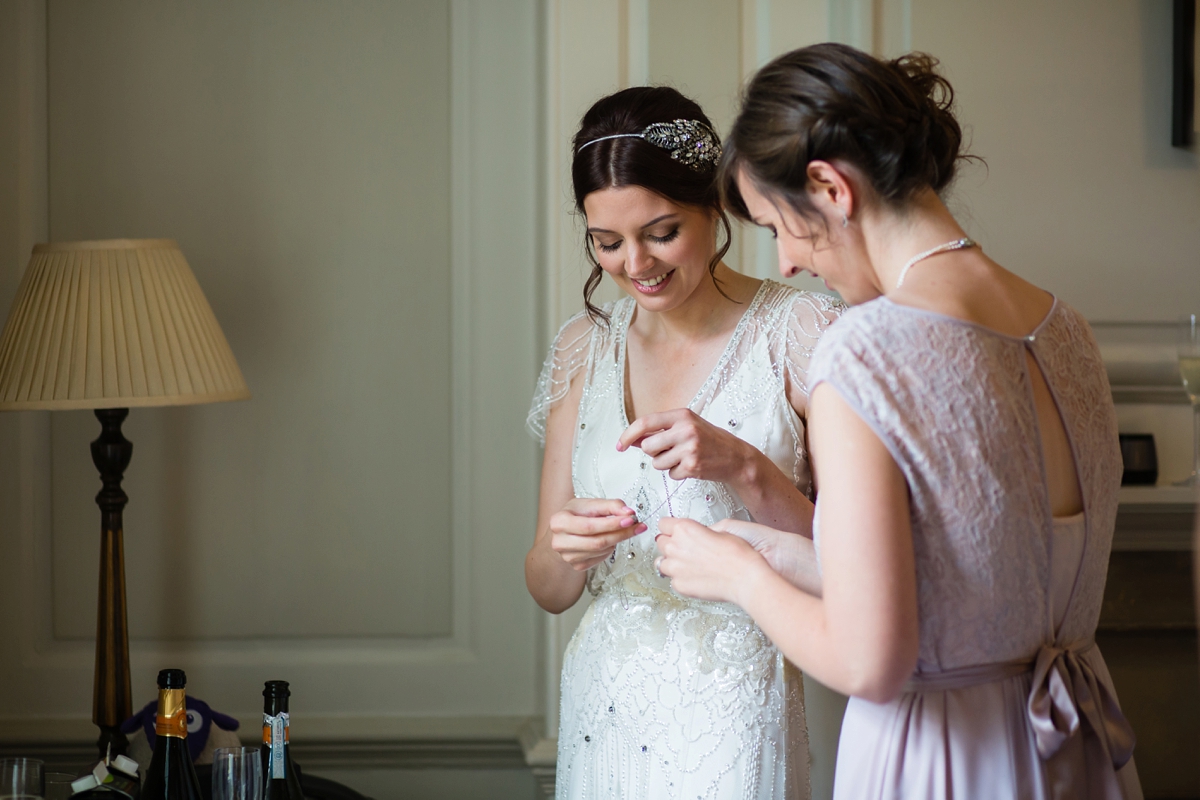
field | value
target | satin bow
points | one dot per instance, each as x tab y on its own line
1066	690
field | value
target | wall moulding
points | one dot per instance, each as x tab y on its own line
384	688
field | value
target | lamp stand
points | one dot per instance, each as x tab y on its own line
111	697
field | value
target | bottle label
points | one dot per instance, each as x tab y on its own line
276	734
172	714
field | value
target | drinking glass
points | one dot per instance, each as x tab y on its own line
20	779
57	785
1189	372
237	773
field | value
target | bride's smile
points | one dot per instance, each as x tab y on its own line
655	249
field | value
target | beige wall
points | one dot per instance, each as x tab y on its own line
1069	103
355	186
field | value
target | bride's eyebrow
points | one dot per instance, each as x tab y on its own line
649	224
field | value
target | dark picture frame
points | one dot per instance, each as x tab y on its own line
1183	73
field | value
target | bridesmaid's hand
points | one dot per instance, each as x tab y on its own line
791	555
685	445
704	563
587	531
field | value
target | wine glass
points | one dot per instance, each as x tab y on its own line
20	779
1189	372
237	773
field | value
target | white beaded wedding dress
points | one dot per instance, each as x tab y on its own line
664	696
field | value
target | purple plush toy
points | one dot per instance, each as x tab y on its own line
200	719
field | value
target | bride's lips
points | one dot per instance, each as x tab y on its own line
663	280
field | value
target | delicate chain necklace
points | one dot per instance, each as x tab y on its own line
957	244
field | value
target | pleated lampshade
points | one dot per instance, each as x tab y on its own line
113	324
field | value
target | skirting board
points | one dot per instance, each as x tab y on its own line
445	743
317	756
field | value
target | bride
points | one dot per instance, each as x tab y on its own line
686	398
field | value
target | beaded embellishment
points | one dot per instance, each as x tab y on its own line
689	141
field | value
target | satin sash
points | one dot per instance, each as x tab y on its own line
1066	694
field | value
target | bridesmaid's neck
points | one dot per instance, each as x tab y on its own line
892	237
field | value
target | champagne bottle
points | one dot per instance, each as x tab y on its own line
171	775
280	781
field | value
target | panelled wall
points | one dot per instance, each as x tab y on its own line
355	186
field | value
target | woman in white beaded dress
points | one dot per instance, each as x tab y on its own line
685	398
965	440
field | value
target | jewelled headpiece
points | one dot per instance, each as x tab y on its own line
689	141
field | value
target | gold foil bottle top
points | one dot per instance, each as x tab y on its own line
172	713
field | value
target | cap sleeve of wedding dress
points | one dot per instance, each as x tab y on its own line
808	316
569	354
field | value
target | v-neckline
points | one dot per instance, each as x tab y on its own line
722	360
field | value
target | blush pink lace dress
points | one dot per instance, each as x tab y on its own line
1011	697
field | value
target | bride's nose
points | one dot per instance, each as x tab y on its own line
638	262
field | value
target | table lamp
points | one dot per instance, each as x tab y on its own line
108	325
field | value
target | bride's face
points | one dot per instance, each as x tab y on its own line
656	250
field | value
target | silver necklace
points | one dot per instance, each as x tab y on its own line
957	244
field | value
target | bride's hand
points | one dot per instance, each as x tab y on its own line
586	531
686	446
704	563
791	555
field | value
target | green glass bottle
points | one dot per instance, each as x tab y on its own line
280	781
171	775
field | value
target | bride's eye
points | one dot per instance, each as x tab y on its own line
670	237
607	248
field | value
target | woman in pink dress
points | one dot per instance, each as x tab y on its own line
964	444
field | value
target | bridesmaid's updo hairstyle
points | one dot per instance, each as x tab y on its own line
632	161
892	120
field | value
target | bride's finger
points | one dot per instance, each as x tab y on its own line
593	526
661	442
592	507
642	427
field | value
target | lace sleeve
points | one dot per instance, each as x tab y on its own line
568	355
810	315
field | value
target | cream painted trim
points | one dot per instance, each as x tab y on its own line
881	27
462	265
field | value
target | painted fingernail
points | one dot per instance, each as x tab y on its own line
625	523
642	528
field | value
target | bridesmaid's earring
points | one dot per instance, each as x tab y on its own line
845	220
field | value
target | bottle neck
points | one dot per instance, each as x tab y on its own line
276	734
275	705
171	720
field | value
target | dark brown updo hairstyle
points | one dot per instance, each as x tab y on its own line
635	162
893	120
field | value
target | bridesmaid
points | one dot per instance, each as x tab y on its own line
965	442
